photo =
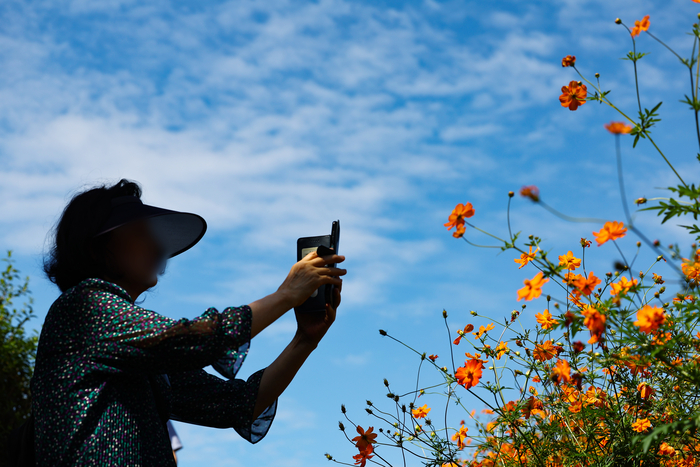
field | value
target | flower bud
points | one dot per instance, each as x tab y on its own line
597	75
618	21
511	194
444	313
473	313
342	408
329	457
341	426
382	332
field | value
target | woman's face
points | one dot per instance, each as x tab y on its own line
136	254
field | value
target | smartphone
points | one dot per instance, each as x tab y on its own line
322	245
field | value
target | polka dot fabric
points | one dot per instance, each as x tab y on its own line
109	374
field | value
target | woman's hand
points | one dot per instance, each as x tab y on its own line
308	274
312	326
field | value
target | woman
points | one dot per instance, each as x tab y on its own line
109	374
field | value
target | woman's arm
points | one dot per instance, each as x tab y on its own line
311	327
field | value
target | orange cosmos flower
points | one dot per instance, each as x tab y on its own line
665	449
640	26
459	232
610	231
533	287
533	406
569	261
365	439
649	318
432	357
545	319
586	286
530	191
469	374
641	425
467	328
561	373
573	95
569	60
546	351
645	390
618	128
363	456
482	331
585	243
594	321
421	412
500	349
526	257
459	213
691	270
460	436
622	286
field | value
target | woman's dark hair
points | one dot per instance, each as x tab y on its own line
74	254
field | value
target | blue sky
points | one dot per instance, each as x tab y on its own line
271	119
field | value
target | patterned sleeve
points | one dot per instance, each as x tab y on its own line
124	337
201	398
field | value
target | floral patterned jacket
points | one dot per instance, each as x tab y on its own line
109	374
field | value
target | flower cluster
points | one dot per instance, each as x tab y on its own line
610	372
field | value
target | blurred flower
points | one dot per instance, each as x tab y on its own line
573	95
530	191
586	286
649	318
691	269
569	261
459	213
640	26
664	448
618	128
533	287
421	412
641	425
622	286
569	60
545	319
432	357
645	390
594	321
469	374
460	436
585	243
561	373
546	351
526	257
459	232
612	230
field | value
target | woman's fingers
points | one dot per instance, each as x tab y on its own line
322	260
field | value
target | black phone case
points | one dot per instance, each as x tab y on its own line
324	294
